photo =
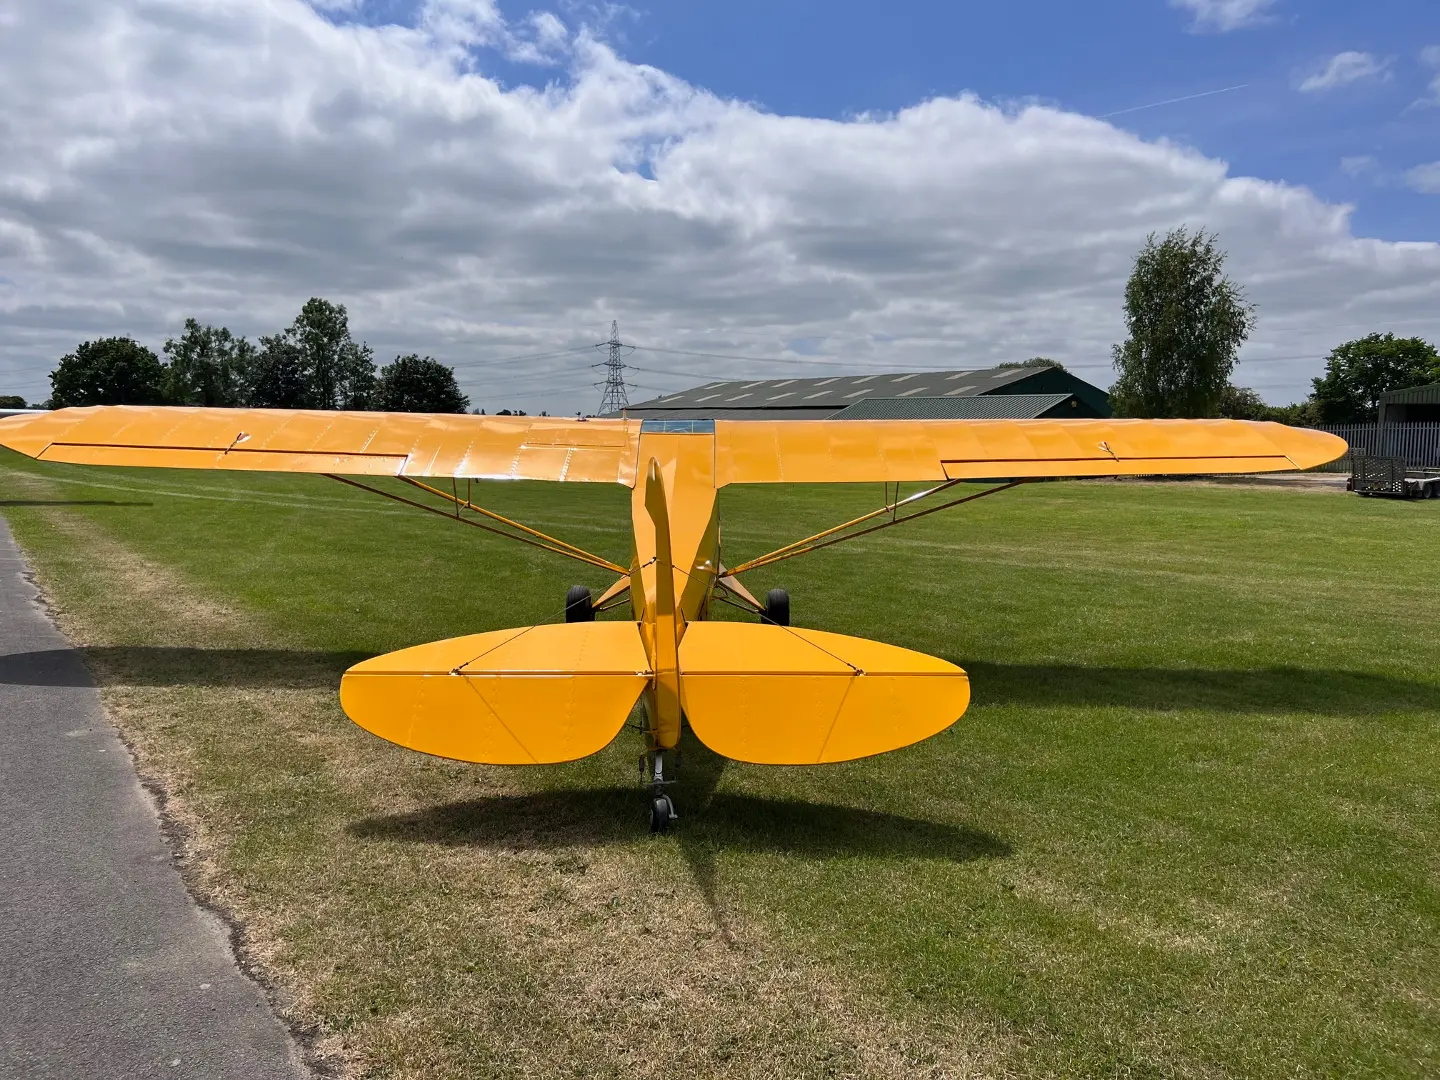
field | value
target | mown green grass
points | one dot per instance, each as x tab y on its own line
1188	827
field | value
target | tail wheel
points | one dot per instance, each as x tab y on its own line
579	607
662	812
777	608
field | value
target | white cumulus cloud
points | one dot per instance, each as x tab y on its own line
228	159
1344	68
1424	178
1223	16
1430	57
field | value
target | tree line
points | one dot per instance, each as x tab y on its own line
314	363
1186	323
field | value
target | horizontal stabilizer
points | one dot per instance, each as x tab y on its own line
531	696
782	696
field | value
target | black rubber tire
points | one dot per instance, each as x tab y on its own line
579	606
777	608
660	814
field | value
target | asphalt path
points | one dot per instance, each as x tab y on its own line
108	967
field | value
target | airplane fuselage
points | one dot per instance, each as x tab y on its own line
675	518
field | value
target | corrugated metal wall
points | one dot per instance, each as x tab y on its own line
1418	444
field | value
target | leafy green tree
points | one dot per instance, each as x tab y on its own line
1297	414
418	384
313	363
11	401
341	373
208	365
110	371
1242	403
1186	322
276	376
1358	372
1034	361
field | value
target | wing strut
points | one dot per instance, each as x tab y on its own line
838	535
526	535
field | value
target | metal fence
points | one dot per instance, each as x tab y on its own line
1418	444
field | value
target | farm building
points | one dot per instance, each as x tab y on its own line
1413	405
1023	393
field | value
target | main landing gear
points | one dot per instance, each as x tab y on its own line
579	606
777	608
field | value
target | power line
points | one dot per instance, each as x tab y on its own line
614	388
787	360
1276	359
707	376
524	356
823	362
721	356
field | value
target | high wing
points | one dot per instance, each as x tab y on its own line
854	451
607	450
354	443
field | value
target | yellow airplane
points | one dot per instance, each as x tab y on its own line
769	692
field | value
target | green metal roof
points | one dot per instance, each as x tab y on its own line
1413	395
836	391
829	395
988	407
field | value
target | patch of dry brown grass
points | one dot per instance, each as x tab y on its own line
531	948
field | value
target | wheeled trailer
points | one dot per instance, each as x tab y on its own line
1389	476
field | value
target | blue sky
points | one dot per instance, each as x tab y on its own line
837	58
804	183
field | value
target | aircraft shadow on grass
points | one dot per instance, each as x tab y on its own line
1325	692
591	817
715	823
164	665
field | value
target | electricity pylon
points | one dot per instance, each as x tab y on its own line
613	398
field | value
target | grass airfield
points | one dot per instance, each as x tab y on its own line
1188	827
